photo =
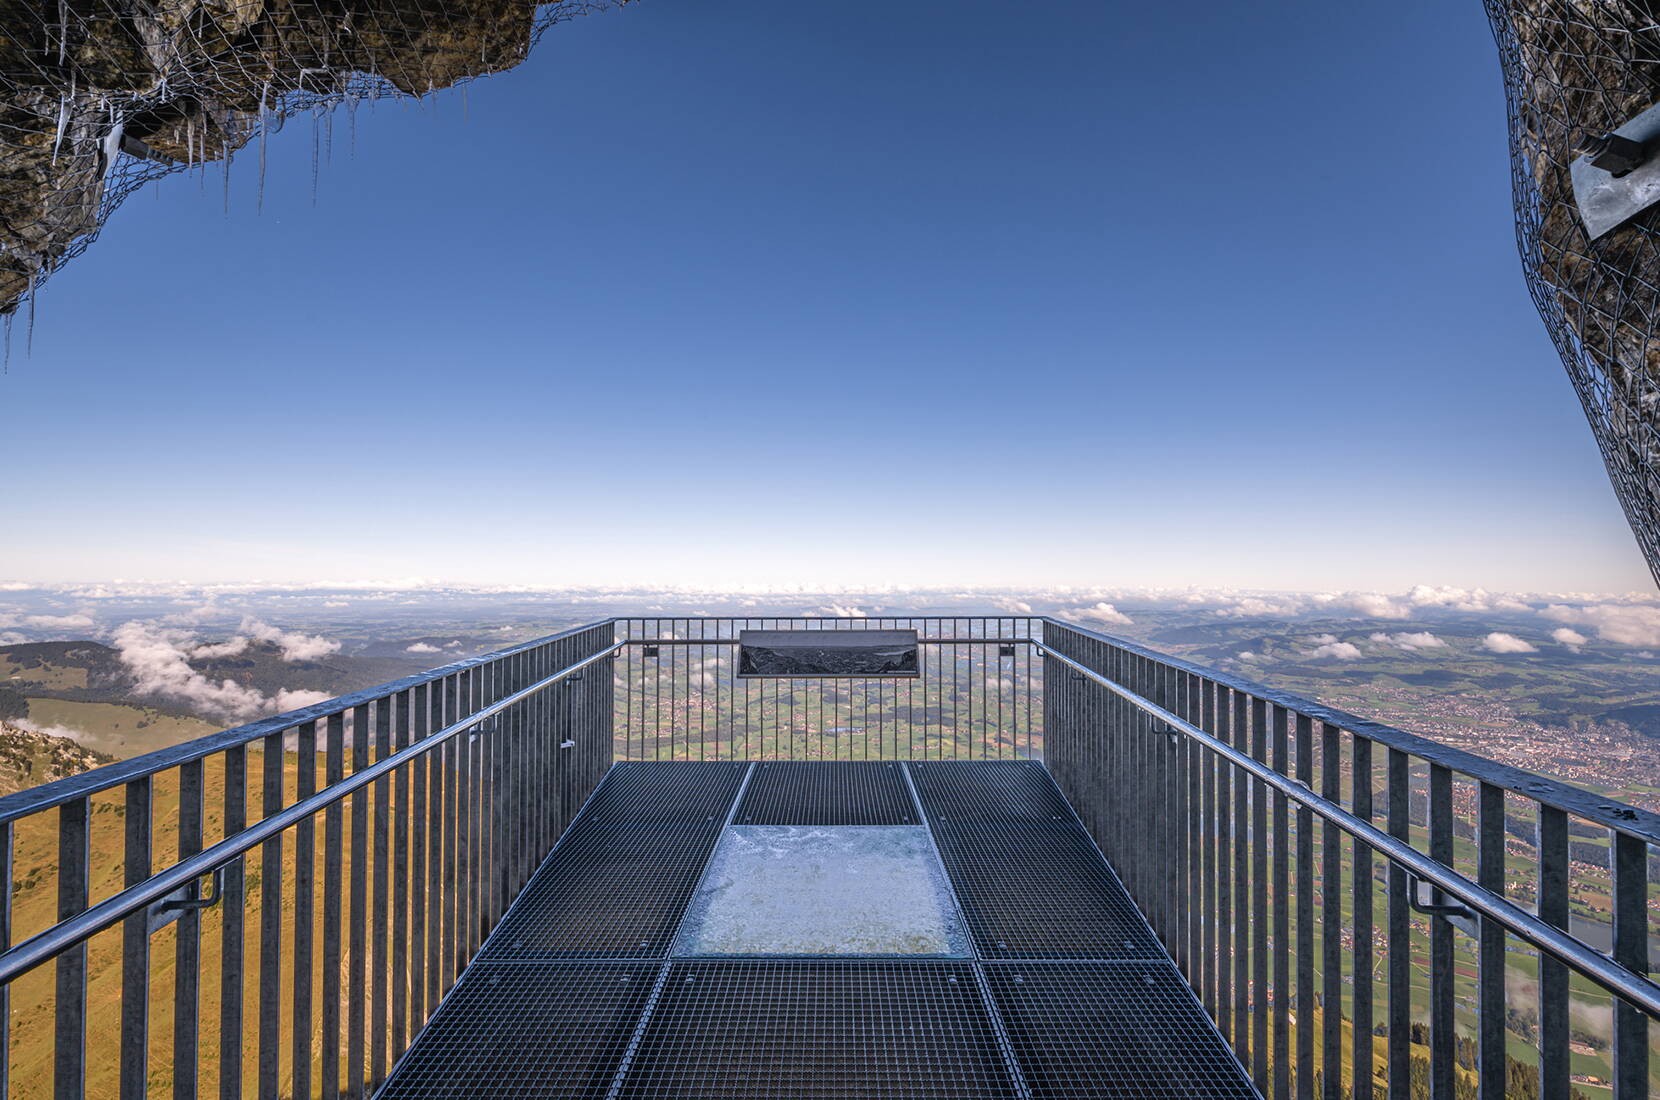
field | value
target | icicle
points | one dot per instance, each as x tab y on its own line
63	30
259	205
315	149
63	120
29	329
6	367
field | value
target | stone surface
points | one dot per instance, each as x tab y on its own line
824	890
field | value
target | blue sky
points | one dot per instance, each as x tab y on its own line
736	292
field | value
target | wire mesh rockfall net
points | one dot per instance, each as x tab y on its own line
1575	69
99	96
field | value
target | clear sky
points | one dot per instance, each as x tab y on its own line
846	294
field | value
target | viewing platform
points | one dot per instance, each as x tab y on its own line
1060	990
914	858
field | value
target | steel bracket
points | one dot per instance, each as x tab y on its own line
185	899
1461	916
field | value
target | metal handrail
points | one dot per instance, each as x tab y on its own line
1634	821
1631	987
32	800
60	937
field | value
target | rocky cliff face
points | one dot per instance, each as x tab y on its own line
1577	68
95	93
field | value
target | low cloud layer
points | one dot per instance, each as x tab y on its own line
158	658
1102	613
294	645
1500	642
1410	642
1573	639
1335	650
1621	623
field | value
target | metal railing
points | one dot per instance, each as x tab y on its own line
980	695
1364	912
1264	835
436	797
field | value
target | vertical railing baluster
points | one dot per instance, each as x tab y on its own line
1198	840
442	905
270	927
8	858
380	928
1241	881
1280	734
1224	873
1261	981
187	943
69	1046
442	701
232	931
305	908
1331	918
1629	859
418	861
1554	1066
401	728
1209	843
454	908
357	976
1442	1036
1361	779
135	946
1305	914
334	771
1400	932
1490	1006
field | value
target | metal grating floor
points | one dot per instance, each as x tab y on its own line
819	1031
989	792
575	993
676	793
523	1031
608	891
1123	1030
1042	891
814	793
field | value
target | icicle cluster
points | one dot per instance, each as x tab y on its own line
99	96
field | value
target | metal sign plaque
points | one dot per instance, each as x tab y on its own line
848	653
1607	201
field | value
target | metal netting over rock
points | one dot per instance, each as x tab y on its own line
1575	69
99	96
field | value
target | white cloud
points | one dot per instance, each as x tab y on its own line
1250	607
158	659
1249	657
1342	651
837	611
1500	642
295	698
59	622
1421	640
294	646
1375	605
1573	639
1625	624
1325	639
1103	613
423	647
235	647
